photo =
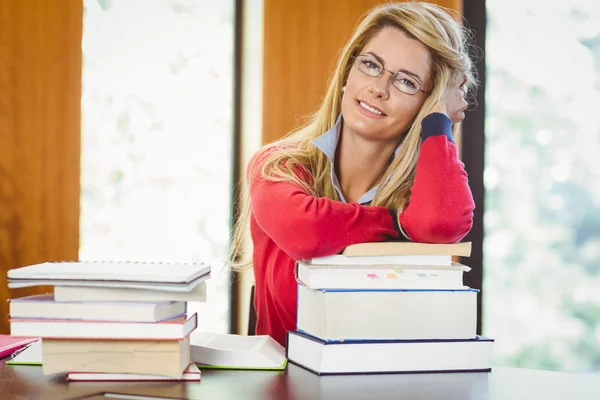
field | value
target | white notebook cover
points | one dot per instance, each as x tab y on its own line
150	272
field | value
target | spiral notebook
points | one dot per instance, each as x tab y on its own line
175	276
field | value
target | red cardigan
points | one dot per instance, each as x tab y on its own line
287	224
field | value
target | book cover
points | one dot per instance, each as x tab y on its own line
44	306
173	329
28	355
185	287
380	276
462	249
10	344
98	293
230	351
388	356
133	271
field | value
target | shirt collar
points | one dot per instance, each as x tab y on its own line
327	143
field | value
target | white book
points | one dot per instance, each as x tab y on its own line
191	374
380	276
165	287
173	329
149	272
389	260
229	351
392	356
147	357
92	294
43	306
387	314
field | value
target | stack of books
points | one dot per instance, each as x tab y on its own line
111	320
387	307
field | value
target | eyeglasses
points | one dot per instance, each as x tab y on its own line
370	66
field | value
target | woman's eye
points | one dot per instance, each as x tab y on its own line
406	82
370	65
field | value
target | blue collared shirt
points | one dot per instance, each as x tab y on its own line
327	143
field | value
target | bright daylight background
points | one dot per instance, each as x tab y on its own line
157	137
542	213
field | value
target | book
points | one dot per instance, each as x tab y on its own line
131	271
10	344
28	355
387	314
172	329
386	260
462	249
392	386
165	287
43	306
388	356
380	276
141	275
148	357
229	351
92	294
191	374
396	253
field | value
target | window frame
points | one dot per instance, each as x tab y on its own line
473	150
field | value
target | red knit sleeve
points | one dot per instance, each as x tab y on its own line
304	226
441	204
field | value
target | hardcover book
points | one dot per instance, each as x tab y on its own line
388	356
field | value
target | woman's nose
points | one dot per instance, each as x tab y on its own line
381	86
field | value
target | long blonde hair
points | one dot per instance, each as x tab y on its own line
449	45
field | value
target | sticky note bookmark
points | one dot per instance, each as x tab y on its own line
391	276
372	276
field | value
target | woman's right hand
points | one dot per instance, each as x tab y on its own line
453	103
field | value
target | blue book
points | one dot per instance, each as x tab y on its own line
388	356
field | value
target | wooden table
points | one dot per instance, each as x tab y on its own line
27	382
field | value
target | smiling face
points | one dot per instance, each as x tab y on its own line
371	107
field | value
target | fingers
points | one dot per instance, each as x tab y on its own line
454	100
463	104
459	113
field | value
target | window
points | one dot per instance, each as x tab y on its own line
542	213
157	136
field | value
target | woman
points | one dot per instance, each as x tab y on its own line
376	162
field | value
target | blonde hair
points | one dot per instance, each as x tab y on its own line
448	43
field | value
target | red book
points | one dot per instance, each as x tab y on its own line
10	344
